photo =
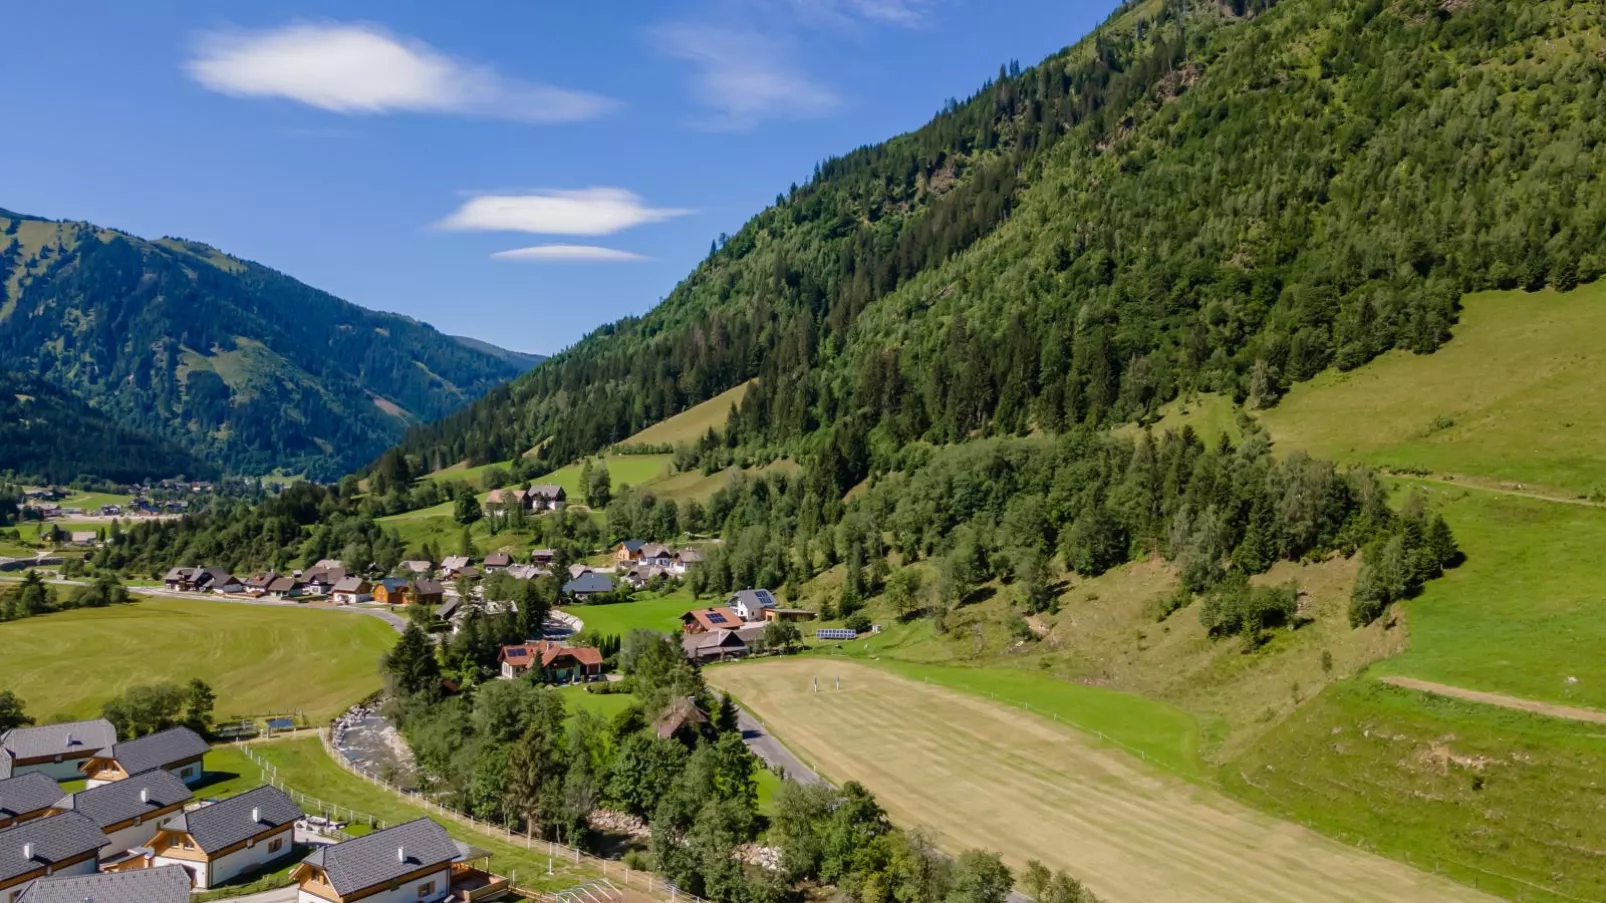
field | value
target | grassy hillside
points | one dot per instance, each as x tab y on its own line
234	362
690	425
1514	398
257	659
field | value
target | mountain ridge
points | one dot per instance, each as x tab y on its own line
234	361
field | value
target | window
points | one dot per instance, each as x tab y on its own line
426	889
275	844
187	843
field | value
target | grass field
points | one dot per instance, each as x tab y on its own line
1210	415
655	613
634	470
690	425
304	766
1454	785
978	774
258	659
471	475
91	502
1515	395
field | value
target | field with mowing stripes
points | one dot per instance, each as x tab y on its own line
978	774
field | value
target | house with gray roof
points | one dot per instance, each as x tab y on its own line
27	797
64	844
412	861
177	749
351	590
57	749
130	812
221	841
587	585
168	884
751	604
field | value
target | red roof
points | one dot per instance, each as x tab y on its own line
719	618
524	656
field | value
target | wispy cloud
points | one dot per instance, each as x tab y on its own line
365	69
589	211
570	254
744	77
907	13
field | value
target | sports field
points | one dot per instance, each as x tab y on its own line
258	659
977	774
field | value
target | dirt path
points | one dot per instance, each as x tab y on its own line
1468	483
1571	713
977	774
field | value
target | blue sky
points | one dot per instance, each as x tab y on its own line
520	172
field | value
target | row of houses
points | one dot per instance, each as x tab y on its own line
733	629
137	833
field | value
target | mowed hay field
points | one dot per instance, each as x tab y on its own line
977	774
258	659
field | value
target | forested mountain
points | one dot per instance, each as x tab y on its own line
1232	202
235	362
46	435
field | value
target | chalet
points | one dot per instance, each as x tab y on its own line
428	592
177	578
417	862
789	614
750	604
638	576
26	797
454	565
656	554
65	844
57	749
129	812
352	590
168	884
701	620
525	571
587	585
393	591
578	570
628	551
543	557
178	750
496	561
322	579
221	841
259	582
203	580
285	588
558	662
685	560
545	497
713	645
498	501
418	567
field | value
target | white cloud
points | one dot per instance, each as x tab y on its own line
570	253
743	76
364	69
907	13
589	211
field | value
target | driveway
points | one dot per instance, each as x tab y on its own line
772	751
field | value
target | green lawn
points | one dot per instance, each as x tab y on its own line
1515	395
576	699
303	765
91	502
690	425
258	659
654	612
29	530
1442	784
462	472
634	470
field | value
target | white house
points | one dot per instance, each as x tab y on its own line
222	841
410	863
750	604
57	750
351	590
129	812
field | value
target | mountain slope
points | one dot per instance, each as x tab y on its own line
231	360
523	360
46	435
1301	186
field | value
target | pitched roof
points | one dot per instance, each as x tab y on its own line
445	609
655	550
261	579
524	654
547	491
120	801
384	856
538	555
391	584
632	545
418	566
718	618
5	762
229	822
498	560
590	582
54	839
428	588
576	570
321	574
525	571
27	793
711	641
689	556
158	750
177	574
754	599
283	585
164	884
680	713
351	585
455	562
70	738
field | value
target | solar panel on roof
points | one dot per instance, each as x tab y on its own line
715	617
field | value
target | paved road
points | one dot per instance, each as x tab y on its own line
771	750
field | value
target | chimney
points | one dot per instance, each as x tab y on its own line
144	794
256	814
69	738
401	854
27	852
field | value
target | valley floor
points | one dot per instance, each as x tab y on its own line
977	774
